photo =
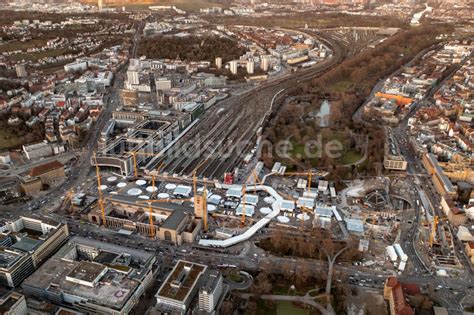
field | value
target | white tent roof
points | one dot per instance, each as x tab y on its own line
111	179
303	216
170	186
134	192
283	219
265	210
269	199
151	189
140	182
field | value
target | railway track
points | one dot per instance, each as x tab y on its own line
233	130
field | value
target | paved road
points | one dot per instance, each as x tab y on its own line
447	291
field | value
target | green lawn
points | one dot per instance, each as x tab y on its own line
38	55
17	45
282	308
235	277
342	86
350	157
7	139
287	308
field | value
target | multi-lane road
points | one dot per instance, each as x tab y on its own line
447	291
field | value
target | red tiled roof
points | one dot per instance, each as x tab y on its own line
411	288
398	296
44	168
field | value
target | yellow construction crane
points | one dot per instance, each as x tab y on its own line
433	229
101	200
309	174
200	200
150	210
242	220
134	157
204	217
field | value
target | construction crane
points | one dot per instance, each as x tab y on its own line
433	229
309	174
101	200
134	157
200	199
150	210
243	219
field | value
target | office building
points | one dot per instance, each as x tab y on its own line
393	159
12	303
132	77
37	150
250	67
233	66
48	172
31	242
210	291
180	287
163	84
441	182
265	63
393	293
21	71
218	62
93	277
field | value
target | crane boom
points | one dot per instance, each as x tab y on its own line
101	200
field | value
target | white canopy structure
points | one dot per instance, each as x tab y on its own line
170	186
234	192
283	219
151	189
254	228
134	192
249	210
265	210
183	191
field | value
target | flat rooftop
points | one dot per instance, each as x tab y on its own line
87	271
27	244
112	248
174	220
182	279
113	290
9	257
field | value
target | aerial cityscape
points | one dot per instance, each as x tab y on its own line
277	157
